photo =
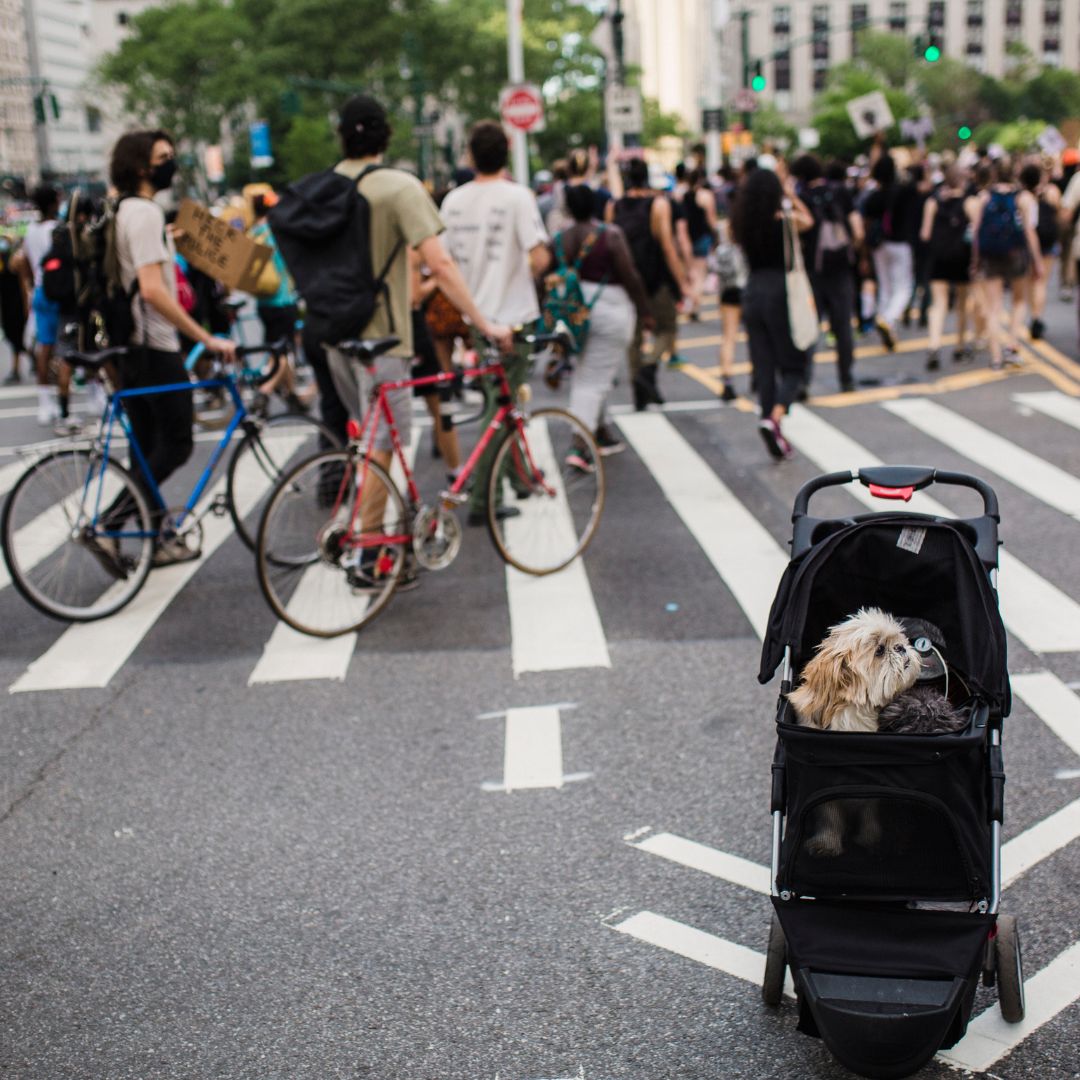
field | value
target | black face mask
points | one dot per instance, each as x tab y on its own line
161	176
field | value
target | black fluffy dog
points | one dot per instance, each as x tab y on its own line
920	711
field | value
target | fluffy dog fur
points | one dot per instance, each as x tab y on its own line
863	663
920	711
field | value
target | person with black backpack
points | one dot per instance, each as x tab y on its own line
946	229
1004	247
829	253
645	217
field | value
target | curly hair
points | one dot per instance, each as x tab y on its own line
760	196
131	158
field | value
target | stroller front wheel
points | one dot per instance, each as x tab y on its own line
772	986
1010	969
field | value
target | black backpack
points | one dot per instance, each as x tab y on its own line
634	216
1047	230
58	272
949	238
832	251
322	225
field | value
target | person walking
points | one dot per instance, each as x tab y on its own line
946	232
700	205
498	241
1033	178
889	212
1005	248
13	306
829	254
779	367
616	294
645	218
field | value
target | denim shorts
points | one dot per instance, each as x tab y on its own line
702	246
46	318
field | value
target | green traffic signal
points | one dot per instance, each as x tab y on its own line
932	54
964	132
757	83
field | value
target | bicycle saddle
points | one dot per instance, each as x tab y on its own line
366	350
92	361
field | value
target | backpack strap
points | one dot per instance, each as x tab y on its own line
381	288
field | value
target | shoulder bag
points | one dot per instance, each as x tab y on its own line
802	312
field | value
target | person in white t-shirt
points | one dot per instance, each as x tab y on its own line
496	236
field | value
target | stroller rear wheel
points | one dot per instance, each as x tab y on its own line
772	986
1010	969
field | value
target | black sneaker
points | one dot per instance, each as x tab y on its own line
608	442
888	338
933	361
779	448
1038	328
728	393
106	551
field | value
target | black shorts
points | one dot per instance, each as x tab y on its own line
731	296
954	271
425	361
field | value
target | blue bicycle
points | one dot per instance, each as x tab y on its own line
80	530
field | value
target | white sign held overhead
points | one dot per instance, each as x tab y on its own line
870	114
1051	141
623	111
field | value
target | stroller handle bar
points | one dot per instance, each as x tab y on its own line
896	482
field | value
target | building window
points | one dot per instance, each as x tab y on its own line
935	13
781	20
898	16
974	48
860	17
1051	12
1014	13
1051	45
93	119
821	74
122	18
819	18
782	70
974	12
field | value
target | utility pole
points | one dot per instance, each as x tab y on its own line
618	77
744	16
515	48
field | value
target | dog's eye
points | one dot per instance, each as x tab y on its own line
879	651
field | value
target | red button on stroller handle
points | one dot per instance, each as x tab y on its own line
880	492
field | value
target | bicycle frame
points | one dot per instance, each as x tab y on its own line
115	412
506	415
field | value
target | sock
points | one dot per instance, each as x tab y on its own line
63	401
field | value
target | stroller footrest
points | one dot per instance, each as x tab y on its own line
882	1027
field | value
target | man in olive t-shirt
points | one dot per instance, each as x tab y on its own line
402	217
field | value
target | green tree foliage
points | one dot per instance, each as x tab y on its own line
770	125
1052	95
847	81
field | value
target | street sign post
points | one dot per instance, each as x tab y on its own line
712	120
746	101
522	107
623	111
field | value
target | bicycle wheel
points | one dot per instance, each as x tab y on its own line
261	457
57	559
332	544
552	467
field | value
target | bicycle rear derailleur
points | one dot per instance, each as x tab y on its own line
436	537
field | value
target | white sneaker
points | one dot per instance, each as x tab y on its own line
67	425
48	412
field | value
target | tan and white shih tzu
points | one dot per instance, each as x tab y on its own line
863	664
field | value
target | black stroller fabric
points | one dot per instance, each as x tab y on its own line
870	563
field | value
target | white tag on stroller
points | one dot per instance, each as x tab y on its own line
911	540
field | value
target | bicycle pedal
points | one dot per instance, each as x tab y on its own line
220	506
449	499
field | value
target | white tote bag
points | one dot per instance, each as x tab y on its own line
802	311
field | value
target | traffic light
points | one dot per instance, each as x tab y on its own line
758	82
55	106
39	109
928	46
964	132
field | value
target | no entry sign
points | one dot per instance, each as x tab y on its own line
522	107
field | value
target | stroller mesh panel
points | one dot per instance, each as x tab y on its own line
878	842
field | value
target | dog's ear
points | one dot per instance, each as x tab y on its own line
826	685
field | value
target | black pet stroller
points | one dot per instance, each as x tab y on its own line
887	939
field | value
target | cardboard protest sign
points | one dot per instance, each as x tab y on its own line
219	249
870	114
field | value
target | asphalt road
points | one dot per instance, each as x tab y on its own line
209	876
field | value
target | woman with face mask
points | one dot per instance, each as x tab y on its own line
143	164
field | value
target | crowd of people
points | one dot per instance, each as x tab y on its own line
895	237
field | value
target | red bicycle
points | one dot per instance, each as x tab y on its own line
337	535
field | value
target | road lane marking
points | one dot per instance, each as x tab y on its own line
742	551
1039	842
693	944
989	1038
289	655
1020	467
1054	404
1053	703
554	621
718	864
532	749
90	654
1043	617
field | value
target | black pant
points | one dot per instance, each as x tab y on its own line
779	367
834	295
161	423
333	412
278	322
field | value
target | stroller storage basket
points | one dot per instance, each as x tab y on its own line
880	817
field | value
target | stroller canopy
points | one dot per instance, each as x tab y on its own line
907	565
